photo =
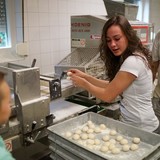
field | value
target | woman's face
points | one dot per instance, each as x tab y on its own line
116	40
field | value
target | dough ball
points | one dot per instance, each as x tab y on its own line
111	146
90	146
136	140
85	129
68	78
97	130
115	150
89	123
119	138
91	136
102	126
90	141
84	136
124	141
97	141
104	149
134	147
78	131
126	148
107	143
106	138
76	136
68	134
112	132
69	73
92	126
113	141
90	130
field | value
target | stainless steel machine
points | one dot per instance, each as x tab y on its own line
86	31
30	111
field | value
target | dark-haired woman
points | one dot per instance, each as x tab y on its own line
128	69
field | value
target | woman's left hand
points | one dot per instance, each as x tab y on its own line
78	81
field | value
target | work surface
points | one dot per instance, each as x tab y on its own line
62	109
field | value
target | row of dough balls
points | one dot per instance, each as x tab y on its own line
78	134
124	142
116	150
91	141
107	147
91	127
120	139
105	138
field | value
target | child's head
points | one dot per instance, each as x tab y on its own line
5	108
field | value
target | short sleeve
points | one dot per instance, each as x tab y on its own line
133	64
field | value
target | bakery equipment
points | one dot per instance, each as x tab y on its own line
129	10
67	148
86	30
34	109
30	111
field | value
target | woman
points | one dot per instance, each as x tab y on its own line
129	73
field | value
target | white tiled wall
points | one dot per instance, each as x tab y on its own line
47	28
154	14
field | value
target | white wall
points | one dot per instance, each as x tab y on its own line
154	14
47	28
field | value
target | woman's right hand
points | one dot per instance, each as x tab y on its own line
77	72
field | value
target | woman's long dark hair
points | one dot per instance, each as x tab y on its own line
112	62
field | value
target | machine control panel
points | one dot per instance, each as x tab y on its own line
55	89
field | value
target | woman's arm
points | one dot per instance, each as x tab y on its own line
108	93
97	82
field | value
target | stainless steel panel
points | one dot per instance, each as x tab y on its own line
35	110
24	81
27	83
79	57
87	29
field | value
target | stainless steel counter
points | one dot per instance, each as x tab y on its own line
63	109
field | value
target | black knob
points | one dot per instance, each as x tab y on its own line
34	124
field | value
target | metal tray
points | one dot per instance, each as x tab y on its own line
148	148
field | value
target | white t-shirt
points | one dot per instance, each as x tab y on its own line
136	106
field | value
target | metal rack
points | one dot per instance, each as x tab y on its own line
85	59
